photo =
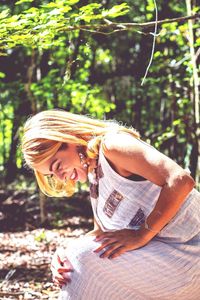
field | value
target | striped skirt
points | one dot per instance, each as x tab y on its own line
158	271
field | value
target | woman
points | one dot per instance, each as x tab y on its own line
146	238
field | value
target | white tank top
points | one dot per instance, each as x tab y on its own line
119	202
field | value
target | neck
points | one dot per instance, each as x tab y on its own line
92	163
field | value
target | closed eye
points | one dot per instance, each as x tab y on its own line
56	166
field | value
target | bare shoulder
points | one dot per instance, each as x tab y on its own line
125	151
131	155
124	144
117	147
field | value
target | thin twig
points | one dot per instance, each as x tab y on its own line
154	42
104	33
12	294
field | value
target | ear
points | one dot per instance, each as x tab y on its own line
81	149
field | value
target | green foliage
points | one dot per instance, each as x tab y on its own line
23	1
82	98
41	27
2	75
6	123
42	237
57	65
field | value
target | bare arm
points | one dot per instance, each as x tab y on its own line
135	156
97	229
132	156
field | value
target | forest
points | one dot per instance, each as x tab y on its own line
136	62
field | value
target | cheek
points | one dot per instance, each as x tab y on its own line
70	161
82	174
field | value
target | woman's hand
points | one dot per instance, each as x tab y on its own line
119	242
60	268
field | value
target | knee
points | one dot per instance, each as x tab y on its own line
82	248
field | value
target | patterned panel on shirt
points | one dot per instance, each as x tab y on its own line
94	190
112	203
99	172
138	219
94	186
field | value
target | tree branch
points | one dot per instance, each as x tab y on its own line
103	28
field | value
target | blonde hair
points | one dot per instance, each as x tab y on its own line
44	134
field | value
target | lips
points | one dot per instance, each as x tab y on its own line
74	175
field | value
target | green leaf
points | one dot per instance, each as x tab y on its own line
2	75
150	6
59	4
90	7
23	1
4	14
116	11
71	2
177	122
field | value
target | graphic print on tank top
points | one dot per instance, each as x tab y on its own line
94	186
99	172
112	203
138	219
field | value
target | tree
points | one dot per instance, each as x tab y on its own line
90	58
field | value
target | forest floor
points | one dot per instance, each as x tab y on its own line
26	246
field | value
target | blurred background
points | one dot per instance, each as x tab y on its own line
88	58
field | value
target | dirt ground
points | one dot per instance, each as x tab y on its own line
26	245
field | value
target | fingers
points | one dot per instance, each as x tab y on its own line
67	264
59	279
104	236
105	244
113	244
113	250
118	252
61	262
61	258
61	268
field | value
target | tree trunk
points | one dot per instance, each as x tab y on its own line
195	86
30	78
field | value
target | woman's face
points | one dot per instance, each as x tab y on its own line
65	164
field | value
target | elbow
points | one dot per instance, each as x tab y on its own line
186	181
181	181
190	182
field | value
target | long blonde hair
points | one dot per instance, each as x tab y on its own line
44	134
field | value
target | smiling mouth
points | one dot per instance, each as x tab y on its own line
74	175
